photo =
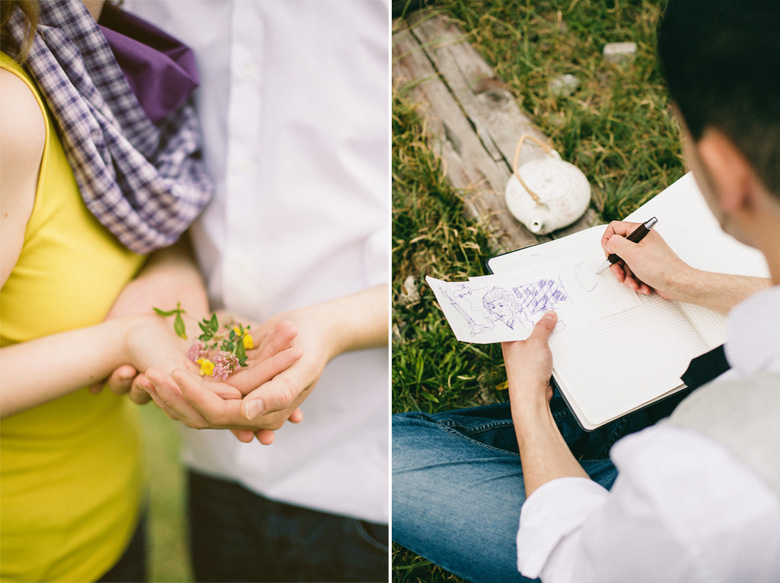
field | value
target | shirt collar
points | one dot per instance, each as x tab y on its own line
753	333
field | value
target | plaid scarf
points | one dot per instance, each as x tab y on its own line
145	183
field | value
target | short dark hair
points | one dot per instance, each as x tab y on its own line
721	62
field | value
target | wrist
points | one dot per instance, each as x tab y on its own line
681	283
530	412
333	334
131	331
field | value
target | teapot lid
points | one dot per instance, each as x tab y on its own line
551	178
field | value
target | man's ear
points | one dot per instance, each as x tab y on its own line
731	174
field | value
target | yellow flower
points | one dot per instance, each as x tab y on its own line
245	338
206	367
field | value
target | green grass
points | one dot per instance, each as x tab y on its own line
616	128
169	557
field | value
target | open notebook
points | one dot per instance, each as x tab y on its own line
627	360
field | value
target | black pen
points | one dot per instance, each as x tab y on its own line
636	236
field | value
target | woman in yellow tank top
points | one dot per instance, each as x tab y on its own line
70	462
71	477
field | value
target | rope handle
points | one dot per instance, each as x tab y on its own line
548	150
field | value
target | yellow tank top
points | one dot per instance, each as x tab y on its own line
70	471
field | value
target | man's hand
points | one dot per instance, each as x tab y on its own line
325	330
543	451
647	266
529	363
651	266
291	387
352	322
199	404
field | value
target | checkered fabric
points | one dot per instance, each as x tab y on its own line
145	183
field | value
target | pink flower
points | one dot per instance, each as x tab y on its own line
226	364
197	351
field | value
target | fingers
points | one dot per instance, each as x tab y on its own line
279	338
620	228
544	327
205	408
275	395
243	435
265	436
621	247
259	373
296	416
119	382
625	276
141	390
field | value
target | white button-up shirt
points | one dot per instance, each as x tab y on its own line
295	108
683	508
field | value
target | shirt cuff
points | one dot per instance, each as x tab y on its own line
553	511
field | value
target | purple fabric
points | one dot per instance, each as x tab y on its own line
160	70
144	182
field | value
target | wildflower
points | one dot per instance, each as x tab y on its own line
249	344
245	337
197	350
206	367
226	364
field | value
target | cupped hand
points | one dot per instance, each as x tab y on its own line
529	363
287	390
206	403
646	267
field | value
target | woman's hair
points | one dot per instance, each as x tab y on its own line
498	293
30	9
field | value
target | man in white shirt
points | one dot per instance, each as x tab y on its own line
294	104
695	498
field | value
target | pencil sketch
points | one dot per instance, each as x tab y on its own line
515	307
498	308
586	276
468	309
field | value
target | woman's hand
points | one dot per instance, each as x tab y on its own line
202	402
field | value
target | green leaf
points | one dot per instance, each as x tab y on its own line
429	397
164	313
214	324
240	350
242	361
178	326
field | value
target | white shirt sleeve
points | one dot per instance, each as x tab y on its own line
682	509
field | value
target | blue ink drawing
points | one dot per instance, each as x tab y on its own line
525	301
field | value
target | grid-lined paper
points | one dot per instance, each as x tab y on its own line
625	361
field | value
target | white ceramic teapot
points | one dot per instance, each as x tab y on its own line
547	194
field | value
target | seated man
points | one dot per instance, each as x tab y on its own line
695	497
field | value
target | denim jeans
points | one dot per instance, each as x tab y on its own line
458	483
237	535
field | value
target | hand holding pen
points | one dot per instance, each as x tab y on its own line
651	266
635	236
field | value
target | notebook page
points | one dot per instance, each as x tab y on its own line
624	361
587	241
618	363
689	227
